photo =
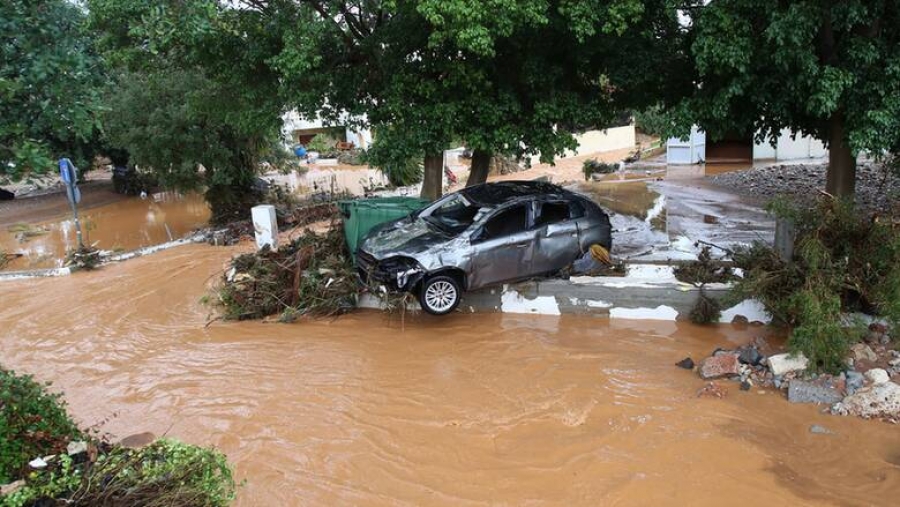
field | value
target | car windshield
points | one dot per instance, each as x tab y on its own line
454	215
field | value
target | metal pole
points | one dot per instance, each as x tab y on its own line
77	222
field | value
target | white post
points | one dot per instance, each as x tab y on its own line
265	225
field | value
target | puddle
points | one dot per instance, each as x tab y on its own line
464	410
127	224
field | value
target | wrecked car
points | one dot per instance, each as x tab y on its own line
482	235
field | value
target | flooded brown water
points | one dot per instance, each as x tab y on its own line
462	410
125	224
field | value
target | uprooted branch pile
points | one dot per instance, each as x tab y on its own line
844	261
313	276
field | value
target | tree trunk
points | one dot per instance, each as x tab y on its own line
433	181
481	165
841	162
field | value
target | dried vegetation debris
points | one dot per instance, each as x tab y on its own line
312	276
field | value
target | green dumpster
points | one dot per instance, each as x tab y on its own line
361	215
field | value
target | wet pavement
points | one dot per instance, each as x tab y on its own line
660	213
461	410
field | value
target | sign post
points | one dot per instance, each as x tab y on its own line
69	175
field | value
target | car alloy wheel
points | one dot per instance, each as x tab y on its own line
439	295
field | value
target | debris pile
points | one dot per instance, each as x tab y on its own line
868	387
313	276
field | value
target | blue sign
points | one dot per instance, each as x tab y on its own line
67	171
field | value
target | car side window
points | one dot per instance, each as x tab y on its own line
577	209
506	223
552	212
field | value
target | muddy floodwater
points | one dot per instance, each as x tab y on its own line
125	224
464	410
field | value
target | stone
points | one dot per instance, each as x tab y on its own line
746	385
802	391
138	440
751	356
722	365
820	430
878	400
76	447
786	363
12	487
855	380
877	376
861	351
38	463
894	362
686	363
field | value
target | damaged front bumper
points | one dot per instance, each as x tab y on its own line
397	274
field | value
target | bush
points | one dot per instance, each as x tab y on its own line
593	166
33	423
325	145
843	262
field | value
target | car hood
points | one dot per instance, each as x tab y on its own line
406	236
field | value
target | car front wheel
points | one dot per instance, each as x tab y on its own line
440	295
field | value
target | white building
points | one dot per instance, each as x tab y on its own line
299	130
695	149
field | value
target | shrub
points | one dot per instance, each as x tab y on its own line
325	145
843	262
593	166
33	422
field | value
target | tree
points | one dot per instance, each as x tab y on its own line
193	90
504	77
50	82
823	68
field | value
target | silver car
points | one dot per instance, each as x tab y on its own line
482	235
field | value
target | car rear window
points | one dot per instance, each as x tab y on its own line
553	212
506	223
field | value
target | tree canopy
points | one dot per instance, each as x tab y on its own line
509	77
193	97
50	80
822	68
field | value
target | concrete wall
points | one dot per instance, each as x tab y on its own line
788	148
292	122
598	141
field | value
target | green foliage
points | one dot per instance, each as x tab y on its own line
33	422
50	81
503	77
195	102
653	121
843	262
166	473
817	67
324	144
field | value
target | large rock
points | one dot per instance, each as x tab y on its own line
720	365
786	363
802	391
862	352
879	400
877	376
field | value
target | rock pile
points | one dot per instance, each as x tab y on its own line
874	188
868	387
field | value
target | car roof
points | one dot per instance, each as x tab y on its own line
504	192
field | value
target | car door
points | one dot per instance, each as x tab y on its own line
502	248
557	237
